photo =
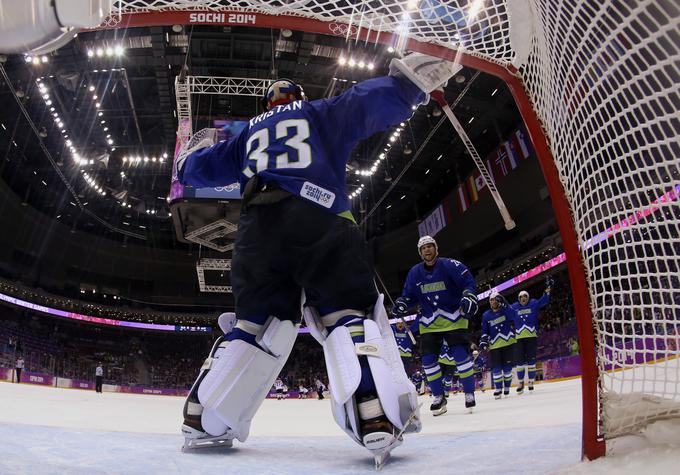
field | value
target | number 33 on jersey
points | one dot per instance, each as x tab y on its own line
292	133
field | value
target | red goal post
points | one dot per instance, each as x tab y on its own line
596	82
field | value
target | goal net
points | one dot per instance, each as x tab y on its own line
597	83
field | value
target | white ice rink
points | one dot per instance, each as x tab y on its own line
64	431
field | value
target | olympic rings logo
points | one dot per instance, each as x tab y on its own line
342	29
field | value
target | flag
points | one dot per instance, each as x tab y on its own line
472	188
501	163
523	142
479	181
489	167
462	199
513	155
434	223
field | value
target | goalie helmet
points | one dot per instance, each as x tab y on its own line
282	91
427	240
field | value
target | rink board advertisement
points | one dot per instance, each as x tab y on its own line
641	350
558	368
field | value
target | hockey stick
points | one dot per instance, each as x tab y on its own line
438	95
408	330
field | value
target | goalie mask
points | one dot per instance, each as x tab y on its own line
281	92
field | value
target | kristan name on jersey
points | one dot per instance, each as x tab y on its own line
296	105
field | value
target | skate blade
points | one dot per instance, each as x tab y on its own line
381	456
192	445
440	412
381	459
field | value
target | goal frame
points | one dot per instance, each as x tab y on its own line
593	444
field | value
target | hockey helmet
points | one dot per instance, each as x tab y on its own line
493	295
427	240
282	91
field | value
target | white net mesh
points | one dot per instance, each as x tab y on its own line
603	77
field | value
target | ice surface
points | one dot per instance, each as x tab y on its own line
48	430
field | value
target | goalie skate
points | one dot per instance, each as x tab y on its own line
381	456
195	439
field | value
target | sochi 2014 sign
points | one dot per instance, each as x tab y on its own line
223	18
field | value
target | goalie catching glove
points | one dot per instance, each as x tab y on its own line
426	72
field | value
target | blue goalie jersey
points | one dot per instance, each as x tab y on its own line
303	147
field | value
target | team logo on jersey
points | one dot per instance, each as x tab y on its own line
317	194
433	287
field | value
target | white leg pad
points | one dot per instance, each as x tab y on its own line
240	378
344	376
395	390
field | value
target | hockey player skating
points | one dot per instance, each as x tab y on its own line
278	386
526	333
320	388
445	290
418	381
404	343
498	336
302	392
296	233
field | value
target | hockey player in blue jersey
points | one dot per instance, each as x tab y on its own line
526	333
445	290
296	233
498	335
404	343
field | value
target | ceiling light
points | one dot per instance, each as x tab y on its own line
351	62
361	64
99	52
90	53
36	60
91	88
97	105
370	66
390	50
109	51
119	50
28	59
342	61
44	59
165	155
110	142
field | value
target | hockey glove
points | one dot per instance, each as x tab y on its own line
468	304
400	307
484	342
426	72
549	284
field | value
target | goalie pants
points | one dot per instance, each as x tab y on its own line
290	245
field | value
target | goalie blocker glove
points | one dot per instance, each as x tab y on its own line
468	304
426	72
